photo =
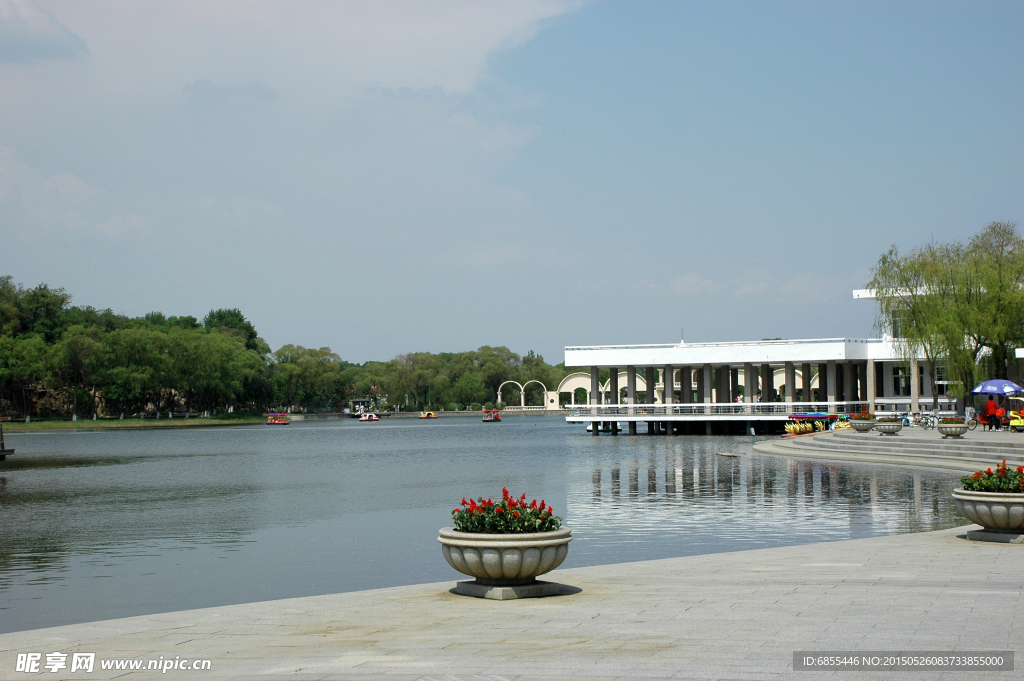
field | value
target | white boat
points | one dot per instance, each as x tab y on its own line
369	418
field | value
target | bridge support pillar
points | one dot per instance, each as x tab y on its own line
595	396
805	369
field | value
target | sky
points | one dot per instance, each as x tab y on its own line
387	177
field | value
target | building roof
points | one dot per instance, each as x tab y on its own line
811	350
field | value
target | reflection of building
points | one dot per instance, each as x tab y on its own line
747	382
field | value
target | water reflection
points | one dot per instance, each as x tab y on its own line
696	499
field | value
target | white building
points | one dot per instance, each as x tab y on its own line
724	387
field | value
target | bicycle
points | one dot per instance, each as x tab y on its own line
972	423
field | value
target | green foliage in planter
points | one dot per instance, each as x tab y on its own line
508	516
1002	480
951	421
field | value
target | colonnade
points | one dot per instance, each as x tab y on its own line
837	382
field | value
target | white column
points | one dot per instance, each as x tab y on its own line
805	369
630	385
669	384
651	378
613	384
831	379
707	384
767	383
871	390
595	385
749	385
790	381
848	387
685	385
915	388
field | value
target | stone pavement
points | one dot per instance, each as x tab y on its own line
722	616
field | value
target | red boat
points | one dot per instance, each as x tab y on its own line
369	418
492	415
275	419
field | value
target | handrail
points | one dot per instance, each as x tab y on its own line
719	408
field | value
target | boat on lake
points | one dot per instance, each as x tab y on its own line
369	418
492	415
275	419
428	415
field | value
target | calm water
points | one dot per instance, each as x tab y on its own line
102	525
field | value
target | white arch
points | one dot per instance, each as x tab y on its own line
506	383
522	391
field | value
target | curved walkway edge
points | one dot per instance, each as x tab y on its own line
732	615
978	450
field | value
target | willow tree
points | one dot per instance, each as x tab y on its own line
955	303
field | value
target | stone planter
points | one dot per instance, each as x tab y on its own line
995	511
862	426
952	429
889	428
505	565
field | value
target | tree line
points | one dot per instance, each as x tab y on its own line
59	360
959	305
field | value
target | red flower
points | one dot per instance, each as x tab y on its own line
542	503
455	510
500	509
533	504
504	492
1020	469
523	498
515	513
550	510
988	471
464	503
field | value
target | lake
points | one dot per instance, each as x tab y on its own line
112	524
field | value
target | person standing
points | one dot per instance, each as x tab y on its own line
991	413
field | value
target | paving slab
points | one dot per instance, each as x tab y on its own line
723	616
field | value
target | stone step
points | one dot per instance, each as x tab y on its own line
903	440
908	444
963	465
948	451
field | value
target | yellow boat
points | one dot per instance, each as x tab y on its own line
428	415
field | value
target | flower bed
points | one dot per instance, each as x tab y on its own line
865	416
1003	479
508	516
889	419
951	421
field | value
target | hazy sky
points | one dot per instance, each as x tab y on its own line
385	177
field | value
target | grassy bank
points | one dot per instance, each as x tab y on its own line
128	424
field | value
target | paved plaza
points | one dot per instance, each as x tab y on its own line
722	616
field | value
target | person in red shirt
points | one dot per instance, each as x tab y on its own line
991	411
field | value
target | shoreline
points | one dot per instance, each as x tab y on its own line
926	591
87	425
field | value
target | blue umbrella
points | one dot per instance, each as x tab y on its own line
997	386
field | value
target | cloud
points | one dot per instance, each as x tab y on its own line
690	283
31	202
203	94
28	33
124	225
